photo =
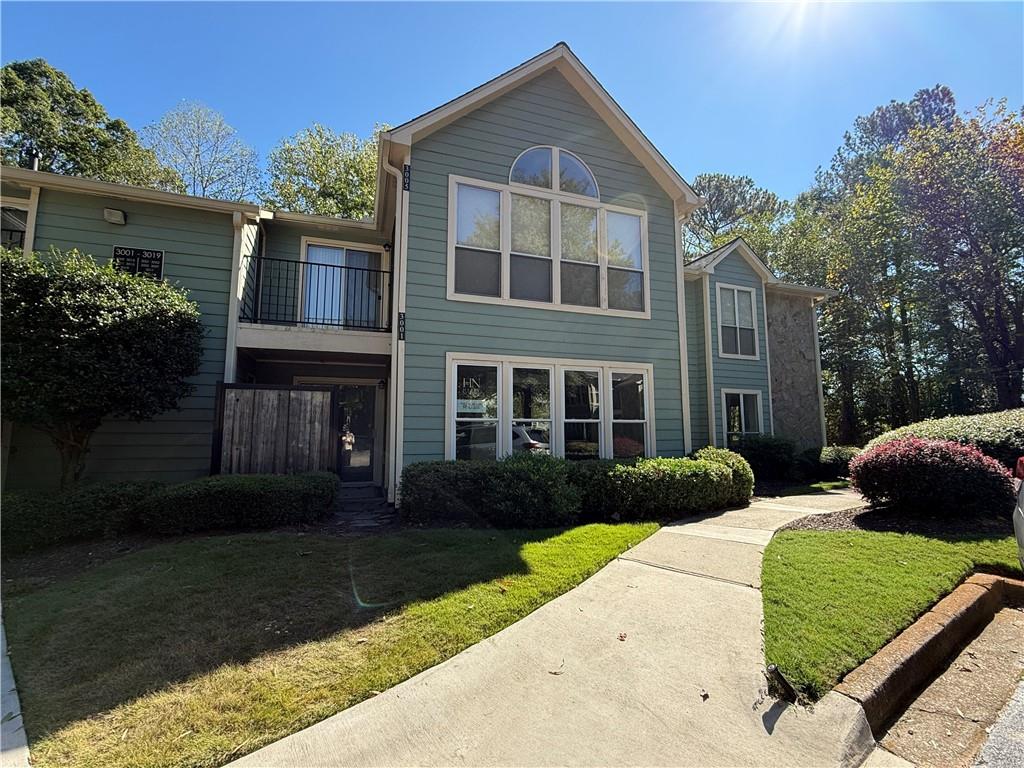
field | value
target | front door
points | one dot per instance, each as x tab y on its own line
356	440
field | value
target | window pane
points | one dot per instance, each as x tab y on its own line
582	395
531	393
627	440
747	342
582	440
322	292
579	233
531	436
476	440
728	299
729	344
574	177
744	301
530	278
476	392
531	225
751	415
12	229
478	218
733	420
625	289
477	272
628	396
581	284
533	168
624	249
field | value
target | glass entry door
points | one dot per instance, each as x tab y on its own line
356	438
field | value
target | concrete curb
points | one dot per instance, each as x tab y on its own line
884	684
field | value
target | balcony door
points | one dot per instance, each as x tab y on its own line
343	286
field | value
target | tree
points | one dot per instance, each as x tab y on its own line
322	172
71	131
734	206
206	152
82	343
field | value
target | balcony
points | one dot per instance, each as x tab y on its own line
310	294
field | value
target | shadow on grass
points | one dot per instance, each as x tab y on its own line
168	613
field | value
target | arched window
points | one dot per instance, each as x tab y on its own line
534	168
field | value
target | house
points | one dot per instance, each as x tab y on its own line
521	286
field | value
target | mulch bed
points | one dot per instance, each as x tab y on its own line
884	519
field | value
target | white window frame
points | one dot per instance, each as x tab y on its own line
30	205
743	419
556	176
505	209
557	366
305	242
753	318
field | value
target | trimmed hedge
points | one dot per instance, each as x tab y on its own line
828	463
935	477
742	474
771	458
240	502
34	520
543	491
999	435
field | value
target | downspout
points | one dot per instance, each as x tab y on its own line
395	408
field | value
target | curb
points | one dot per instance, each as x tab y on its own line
884	684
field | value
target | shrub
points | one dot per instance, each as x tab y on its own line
771	458
938	477
999	435
828	463
434	491
742	474
597	490
240	502
32	520
662	488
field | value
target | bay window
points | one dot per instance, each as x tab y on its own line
737	326
576	409
545	240
741	414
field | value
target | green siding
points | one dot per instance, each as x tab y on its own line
731	373
483	145
697	364
197	245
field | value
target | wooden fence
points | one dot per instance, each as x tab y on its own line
278	429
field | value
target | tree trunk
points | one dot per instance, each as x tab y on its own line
72	445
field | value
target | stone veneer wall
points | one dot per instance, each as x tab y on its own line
795	404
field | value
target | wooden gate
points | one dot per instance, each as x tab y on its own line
278	429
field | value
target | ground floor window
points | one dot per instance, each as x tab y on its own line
576	409
14	225
741	413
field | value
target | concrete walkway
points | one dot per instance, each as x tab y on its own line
655	660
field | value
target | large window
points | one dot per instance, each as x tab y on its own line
741	414
579	410
532	243
737	326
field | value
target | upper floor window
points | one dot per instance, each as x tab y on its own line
534	168
737	326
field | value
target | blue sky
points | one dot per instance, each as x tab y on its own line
764	90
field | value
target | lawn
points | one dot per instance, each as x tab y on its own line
196	652
833	598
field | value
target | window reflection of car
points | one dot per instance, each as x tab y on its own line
477	441
533	441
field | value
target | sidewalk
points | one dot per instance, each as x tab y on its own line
655	660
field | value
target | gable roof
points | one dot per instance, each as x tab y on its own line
560	58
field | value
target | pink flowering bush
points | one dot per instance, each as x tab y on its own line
938	477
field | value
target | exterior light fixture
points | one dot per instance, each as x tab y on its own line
114	216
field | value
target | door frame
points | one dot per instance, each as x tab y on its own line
379	404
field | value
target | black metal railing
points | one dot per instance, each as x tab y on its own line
288	292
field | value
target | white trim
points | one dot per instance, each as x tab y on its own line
768	360
312	339
725	412
561	58
505	228
684	359
709	361
558	366
740	246
399	282
556	173
817	372
238	224
736	307
30	205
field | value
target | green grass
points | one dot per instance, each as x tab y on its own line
832	599
196	652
